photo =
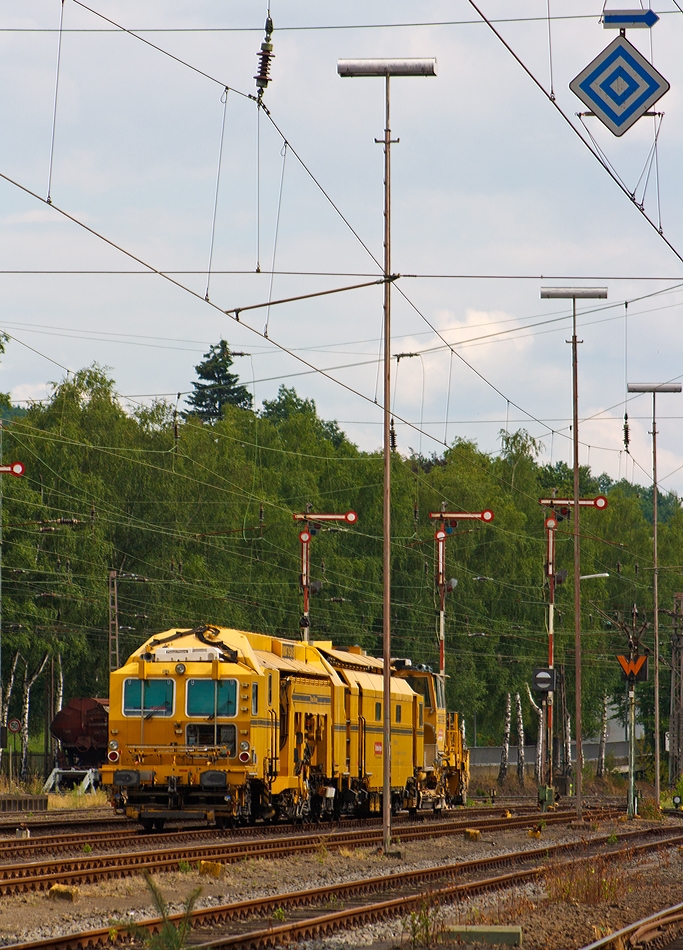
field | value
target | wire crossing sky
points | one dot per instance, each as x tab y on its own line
489	181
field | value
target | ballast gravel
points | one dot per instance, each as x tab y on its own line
113	903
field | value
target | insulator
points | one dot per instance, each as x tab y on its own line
392	437
265	56
627	436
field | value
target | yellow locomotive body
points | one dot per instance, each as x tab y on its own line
228	726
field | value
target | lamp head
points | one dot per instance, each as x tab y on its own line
386	67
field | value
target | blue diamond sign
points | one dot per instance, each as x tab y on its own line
619	86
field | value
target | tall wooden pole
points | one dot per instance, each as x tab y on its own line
655	592
386	544
577	563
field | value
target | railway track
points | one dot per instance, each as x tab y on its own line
130	835
111	820
41	875
318	911
663	929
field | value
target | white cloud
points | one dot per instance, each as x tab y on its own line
28	392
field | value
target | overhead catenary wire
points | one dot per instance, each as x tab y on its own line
275	237
550	53
291	298
576	131
165	52
54	106
224	100
258	190
507	46
300	28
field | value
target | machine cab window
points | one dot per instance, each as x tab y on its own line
420	685
148	698
211	698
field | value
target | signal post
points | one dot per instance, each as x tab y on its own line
634	670
442	532
564	505
312	523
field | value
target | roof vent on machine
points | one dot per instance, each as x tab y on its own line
208	635
402	663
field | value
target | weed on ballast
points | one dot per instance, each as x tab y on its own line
585	882
169	936
184	867
279	914
650	810
422	928
87	849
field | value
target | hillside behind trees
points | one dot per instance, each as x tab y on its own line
203	510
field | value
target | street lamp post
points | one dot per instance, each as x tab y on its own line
655	388
574	294
387	68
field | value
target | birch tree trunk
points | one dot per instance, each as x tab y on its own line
539	710
27	685
59	693
568	745
520	741
7	694
59	702
602	749
505	751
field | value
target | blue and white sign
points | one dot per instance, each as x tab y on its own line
619	85
629	19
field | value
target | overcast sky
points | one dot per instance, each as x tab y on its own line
488	181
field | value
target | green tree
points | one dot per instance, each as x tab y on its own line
218	387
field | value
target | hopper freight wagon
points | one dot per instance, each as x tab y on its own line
82	728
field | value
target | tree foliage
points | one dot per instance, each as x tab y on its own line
218	387
202	512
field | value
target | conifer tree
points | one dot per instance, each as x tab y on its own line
218	387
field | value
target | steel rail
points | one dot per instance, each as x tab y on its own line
40	875
248	909
129	835
642	931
